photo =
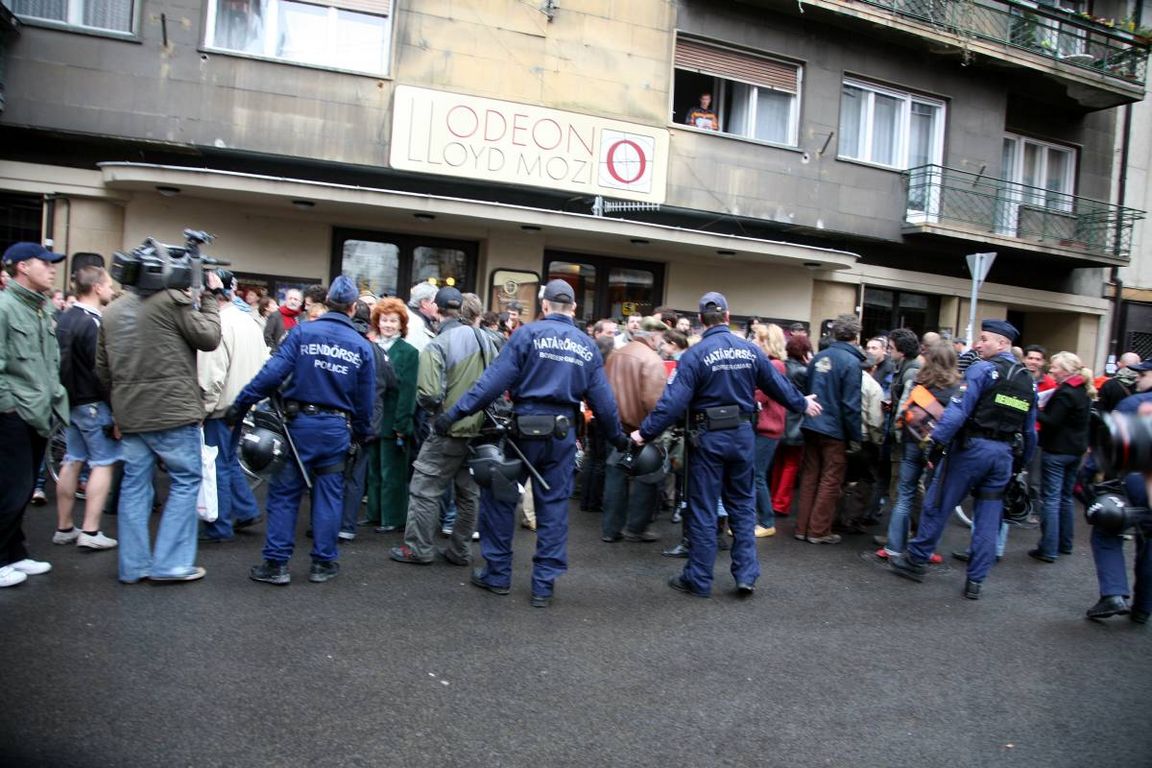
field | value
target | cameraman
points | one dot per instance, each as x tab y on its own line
146	361
1108	548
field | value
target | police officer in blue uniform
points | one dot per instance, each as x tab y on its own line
715	383
988	428
549	367
1108	547
332	385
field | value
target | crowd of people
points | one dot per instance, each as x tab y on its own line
432	416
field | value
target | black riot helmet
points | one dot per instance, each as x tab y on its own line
1017	501
643	460
263	446
494	471
1111	514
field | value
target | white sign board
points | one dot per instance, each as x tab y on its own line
490	140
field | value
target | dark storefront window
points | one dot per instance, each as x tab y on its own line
608	287
885	309
19	219
389	264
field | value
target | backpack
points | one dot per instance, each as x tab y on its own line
920	414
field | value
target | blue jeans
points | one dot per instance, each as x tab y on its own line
233	494
912	466
765	451
175	550
1057	519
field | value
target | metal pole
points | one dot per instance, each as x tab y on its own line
972	310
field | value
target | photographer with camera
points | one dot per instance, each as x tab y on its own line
1108	542
146	361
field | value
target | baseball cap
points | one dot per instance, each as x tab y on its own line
25	251
1144	366
343	291
713	301
449	298
559	291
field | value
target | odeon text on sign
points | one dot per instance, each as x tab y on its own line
465	136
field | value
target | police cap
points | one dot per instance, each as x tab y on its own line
559	291
713	302
449	298
1002	327
343	291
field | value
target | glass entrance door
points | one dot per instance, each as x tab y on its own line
607	287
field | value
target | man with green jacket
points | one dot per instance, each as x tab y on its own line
30	395
449	366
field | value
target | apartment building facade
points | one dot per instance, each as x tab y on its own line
860	150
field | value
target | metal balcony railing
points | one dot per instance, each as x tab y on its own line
1041	30
946	197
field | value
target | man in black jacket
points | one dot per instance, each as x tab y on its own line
91	437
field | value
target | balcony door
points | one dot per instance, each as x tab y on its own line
1039	181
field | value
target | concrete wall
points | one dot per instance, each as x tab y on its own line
763	291
831	299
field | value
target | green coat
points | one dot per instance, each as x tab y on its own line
30	359
399	403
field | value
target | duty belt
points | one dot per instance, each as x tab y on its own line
991	434
311	409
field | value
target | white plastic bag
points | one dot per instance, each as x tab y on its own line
207	502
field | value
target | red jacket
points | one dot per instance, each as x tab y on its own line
770	419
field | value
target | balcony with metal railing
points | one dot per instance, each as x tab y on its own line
1105	66
959	204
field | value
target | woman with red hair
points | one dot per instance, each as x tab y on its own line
388	465
786	462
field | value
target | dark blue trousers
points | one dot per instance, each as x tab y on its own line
233	493
555	460
721	467
322	441
1108	554
982	468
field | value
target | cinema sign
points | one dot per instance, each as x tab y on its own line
490	140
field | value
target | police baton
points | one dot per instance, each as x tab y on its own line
278	409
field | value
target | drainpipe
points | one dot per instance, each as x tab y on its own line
1117	282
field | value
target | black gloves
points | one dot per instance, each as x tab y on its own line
621	442
935	453
442	424
235	414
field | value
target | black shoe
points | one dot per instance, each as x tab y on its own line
1112	605
240	525
680	550
1036	554
367	523
902	566
453	558
611	539
643	536
1065	550
477	580
323	570
963	557
541	601
270	572
677	583
745	589
972	589
1138	617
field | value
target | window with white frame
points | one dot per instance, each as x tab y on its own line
103	15
354	35
890	128
751	96
1044	173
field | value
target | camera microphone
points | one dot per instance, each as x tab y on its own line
208	261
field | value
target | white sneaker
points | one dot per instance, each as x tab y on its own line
345	536
10	577
66	537
32	567
99	541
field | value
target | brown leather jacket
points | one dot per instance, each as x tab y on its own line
637	377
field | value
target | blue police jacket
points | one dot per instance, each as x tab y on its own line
548	367
331	366
834	376
723	369
977	379
1134	483
1131	404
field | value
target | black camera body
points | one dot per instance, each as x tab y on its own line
153	266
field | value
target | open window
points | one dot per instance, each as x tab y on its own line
98	15
748	95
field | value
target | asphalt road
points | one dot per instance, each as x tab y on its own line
833	662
